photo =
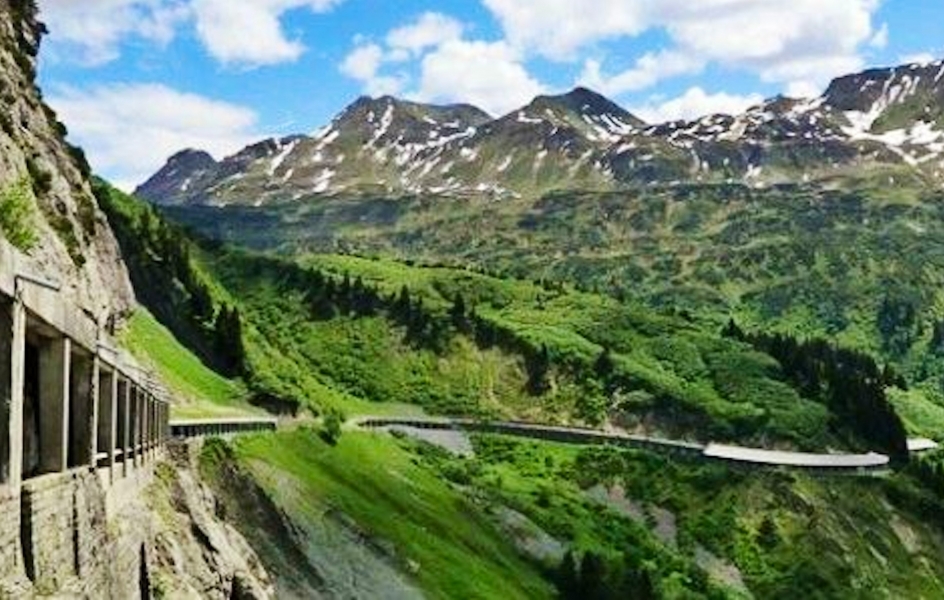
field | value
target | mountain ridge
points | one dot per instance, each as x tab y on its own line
873	120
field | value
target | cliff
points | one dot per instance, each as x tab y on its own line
47	208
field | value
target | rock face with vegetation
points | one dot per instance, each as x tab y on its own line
46	205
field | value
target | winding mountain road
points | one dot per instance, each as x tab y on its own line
868	463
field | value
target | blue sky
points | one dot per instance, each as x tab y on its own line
136	80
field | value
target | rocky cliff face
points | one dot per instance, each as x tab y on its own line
51	213
195	553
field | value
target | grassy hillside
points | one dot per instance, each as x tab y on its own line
780	535
200	391
334	332
517	350
857	259
367	487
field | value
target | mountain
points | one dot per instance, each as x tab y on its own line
881	117
184	172
392	146
867	122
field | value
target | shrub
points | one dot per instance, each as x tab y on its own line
331	426
17	215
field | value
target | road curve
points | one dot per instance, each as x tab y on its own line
736	455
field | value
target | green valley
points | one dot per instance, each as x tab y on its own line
333	334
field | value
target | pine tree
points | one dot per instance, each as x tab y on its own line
538	365
593	577
457	314
567	578
604	365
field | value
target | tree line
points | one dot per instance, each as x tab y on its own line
594	577
329	295
158	256
850	383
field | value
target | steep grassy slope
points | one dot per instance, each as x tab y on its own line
634	524
780	535
372	522
199	391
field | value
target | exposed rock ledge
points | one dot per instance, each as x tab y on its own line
196	554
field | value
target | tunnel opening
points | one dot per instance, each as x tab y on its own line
31	414
106	417
80	409
121	436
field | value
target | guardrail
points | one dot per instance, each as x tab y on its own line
191	428
734	455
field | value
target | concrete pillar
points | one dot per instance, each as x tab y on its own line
151	421
134	415
113	425
126	428
145	425
138	426
12	373
55	357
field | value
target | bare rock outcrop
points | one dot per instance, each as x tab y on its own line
196	554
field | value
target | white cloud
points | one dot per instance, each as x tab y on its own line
694	103
558	28
487	74
649	69
800	40
363	64
91	31
129	130
447	68
880	39
430	30
244	32
250	33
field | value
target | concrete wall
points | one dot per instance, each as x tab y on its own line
76	538
11	557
